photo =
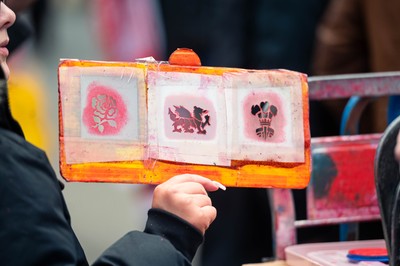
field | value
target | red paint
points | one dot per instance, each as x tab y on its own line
353	188
252	122
369	251
105	112
355	181
189	103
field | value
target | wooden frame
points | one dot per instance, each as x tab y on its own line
240	173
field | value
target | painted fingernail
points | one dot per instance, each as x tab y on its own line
220	185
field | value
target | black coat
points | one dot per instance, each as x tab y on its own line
35	227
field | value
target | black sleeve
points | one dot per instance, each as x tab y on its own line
34	221
167	240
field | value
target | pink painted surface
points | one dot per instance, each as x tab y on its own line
273	122
284	218
105	112
348	85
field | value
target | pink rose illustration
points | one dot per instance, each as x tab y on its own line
105	111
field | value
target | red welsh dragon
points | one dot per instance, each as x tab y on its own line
188	122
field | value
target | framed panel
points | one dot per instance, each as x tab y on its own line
143	122
187	118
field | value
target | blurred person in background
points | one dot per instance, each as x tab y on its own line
129	29
35	226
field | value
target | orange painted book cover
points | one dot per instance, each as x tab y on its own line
146	121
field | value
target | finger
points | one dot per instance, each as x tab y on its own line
219	185
190	188
210	212
208	184
200	200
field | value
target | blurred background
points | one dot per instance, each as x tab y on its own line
253	34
